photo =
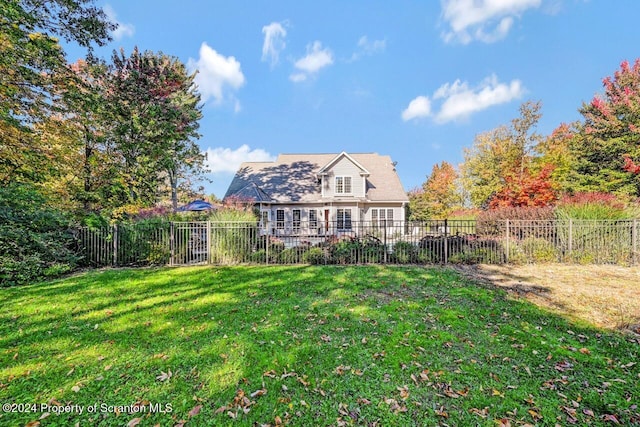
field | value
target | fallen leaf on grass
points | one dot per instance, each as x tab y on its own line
195	411
442	413
164	376
259	393
134	422
483	413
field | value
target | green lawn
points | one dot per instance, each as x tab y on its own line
303	346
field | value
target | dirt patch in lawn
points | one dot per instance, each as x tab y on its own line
604	295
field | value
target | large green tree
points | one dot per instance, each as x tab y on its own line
31	63
608	146
155	110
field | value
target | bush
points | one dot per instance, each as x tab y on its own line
538	250
593	205
314	256
35	241
291	255
404	253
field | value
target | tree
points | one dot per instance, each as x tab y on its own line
526	190
557	151
156	112
610	145
31	63
438	195
501	157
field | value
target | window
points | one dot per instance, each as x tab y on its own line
381	217
313	218
280	219
296	220
264	219
343	185
344	219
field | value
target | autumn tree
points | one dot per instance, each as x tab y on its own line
155	112
31	62
502	163
438	195
610	147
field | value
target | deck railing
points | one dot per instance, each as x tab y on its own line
391	242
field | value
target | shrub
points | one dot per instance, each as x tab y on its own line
291	255
592	205
35	240
344	251
314	256
539	250
404	253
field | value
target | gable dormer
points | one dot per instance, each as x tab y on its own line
343	177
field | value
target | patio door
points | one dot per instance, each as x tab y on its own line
326	220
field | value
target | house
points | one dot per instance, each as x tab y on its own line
321	194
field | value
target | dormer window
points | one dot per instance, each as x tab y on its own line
343	185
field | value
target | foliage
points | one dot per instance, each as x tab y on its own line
556	151
35	241
538	250
609	144
156	110
525	190
314	256
502	156
438	195
333	342
591	206
32	62
404	253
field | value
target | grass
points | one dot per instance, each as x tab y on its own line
607	296
303	345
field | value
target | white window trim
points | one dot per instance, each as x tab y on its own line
344	180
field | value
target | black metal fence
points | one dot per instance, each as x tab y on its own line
406	242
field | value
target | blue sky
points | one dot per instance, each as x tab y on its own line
415	80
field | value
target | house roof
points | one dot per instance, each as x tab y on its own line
294	178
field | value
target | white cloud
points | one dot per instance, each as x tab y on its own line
123	30
315	59
367	47
419	107
226	160
459	100
274	43
484	20
218	76
298	77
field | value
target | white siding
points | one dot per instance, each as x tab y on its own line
344	167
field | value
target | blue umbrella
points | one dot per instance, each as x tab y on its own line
197	205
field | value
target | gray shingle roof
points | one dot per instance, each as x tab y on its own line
292	178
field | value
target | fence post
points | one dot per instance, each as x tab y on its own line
384	237
446	242
266	243
634	242
508	238
209	242
570	243
171	243
115	245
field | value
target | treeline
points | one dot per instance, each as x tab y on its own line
94	139
583	163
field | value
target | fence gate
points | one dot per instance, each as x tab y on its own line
190	243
